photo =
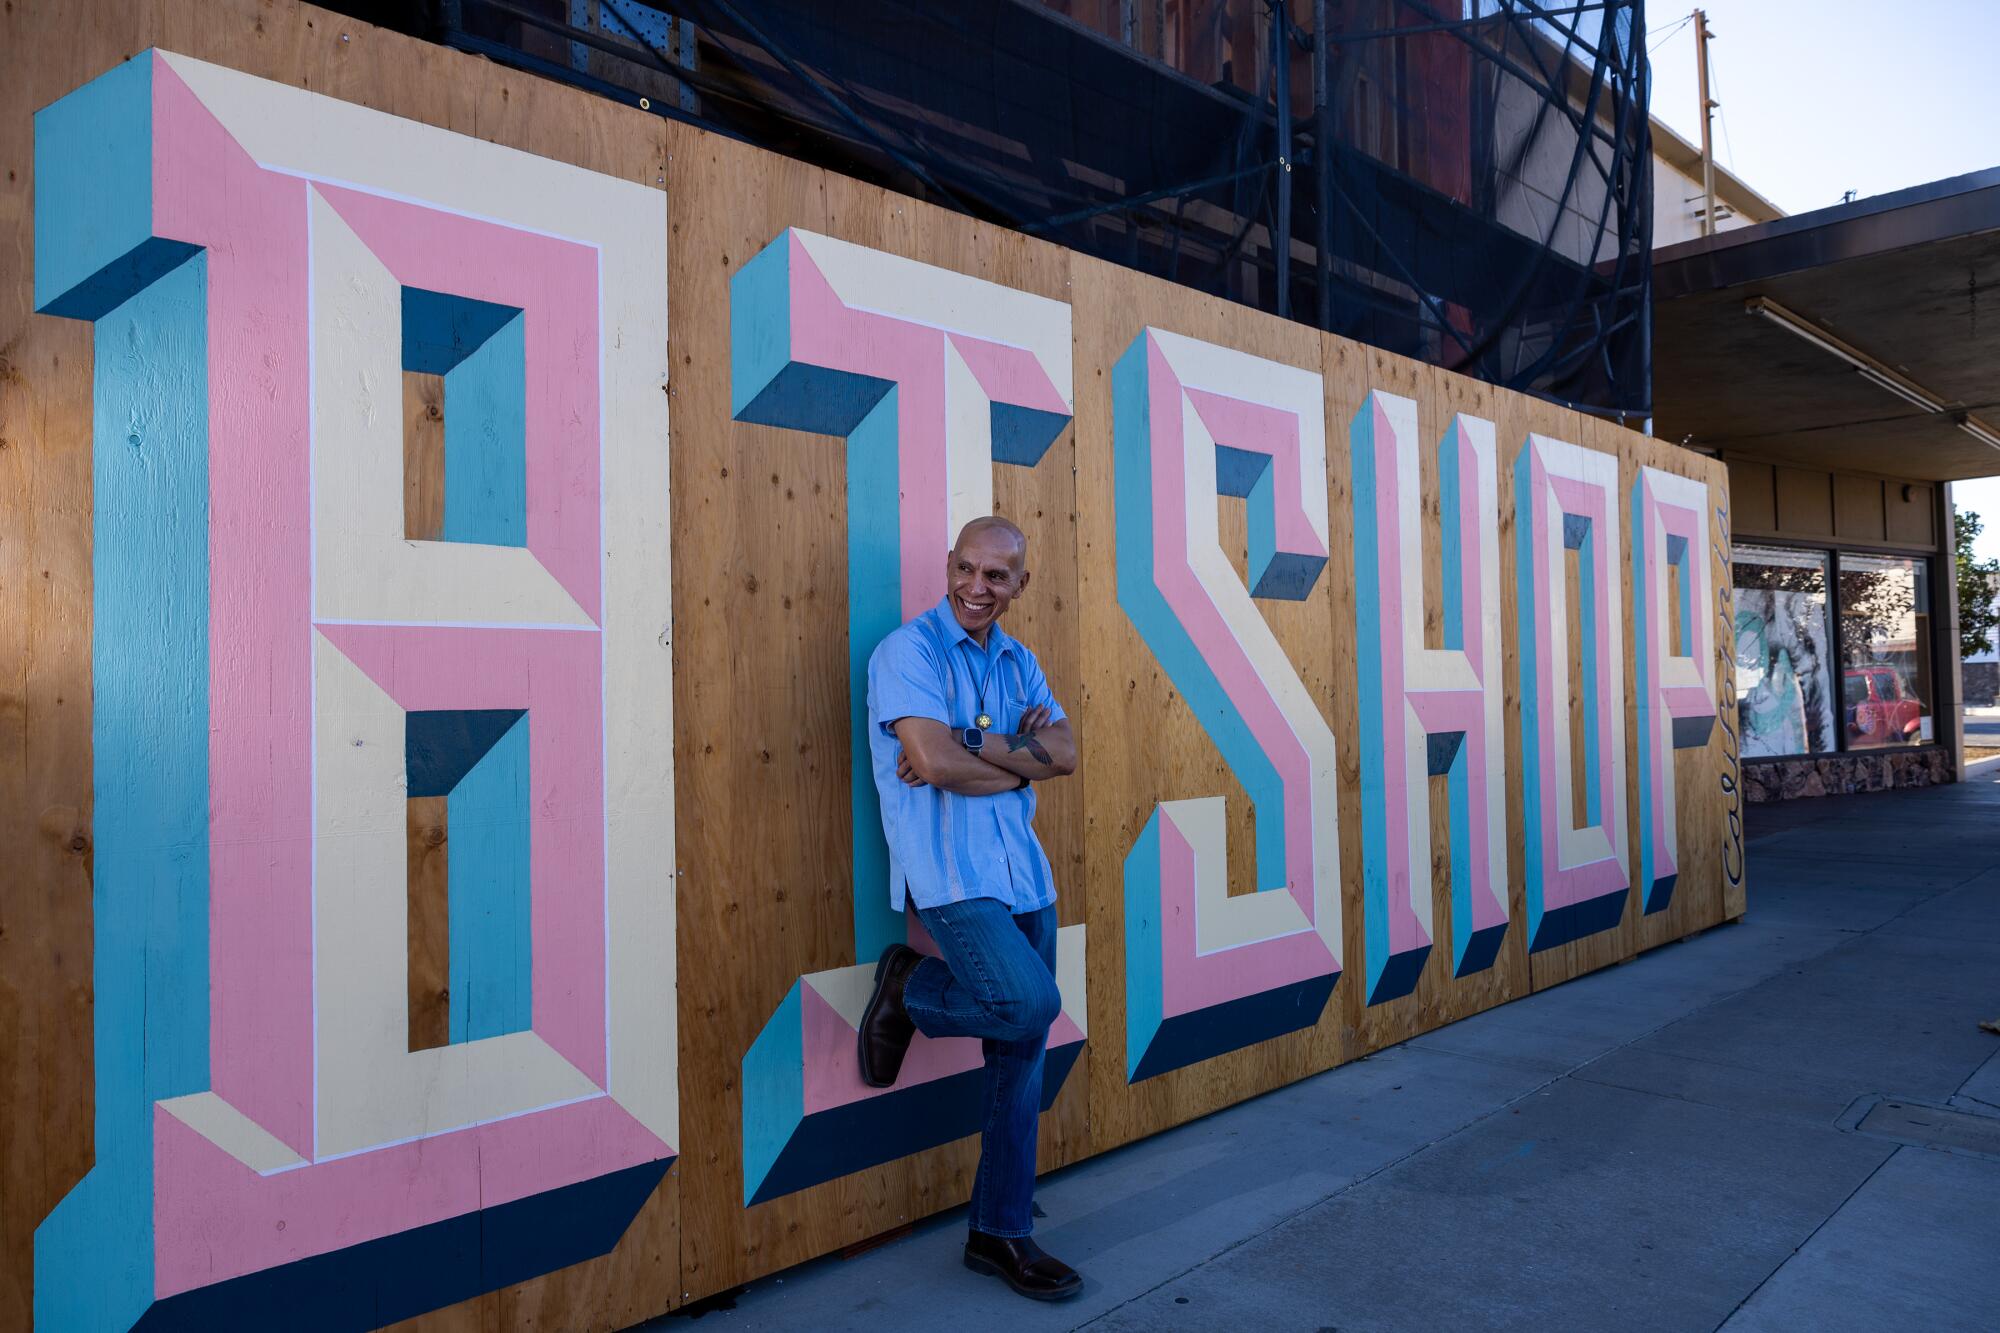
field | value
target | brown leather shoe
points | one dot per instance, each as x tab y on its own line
884	1035
1023	1265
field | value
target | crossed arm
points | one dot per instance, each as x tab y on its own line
932	753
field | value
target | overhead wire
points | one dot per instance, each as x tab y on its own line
1661	40
1721	111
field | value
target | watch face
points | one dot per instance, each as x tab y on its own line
974	738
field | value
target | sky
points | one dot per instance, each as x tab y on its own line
1824	96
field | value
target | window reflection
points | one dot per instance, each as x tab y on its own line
1884	651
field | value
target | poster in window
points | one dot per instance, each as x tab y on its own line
1783	665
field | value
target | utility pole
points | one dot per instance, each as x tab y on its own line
1708	104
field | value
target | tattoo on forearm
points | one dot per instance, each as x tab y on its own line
1025	740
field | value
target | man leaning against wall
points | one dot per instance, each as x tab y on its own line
961	725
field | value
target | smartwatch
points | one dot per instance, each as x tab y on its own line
973	737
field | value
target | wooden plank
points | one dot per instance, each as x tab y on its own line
1725	750
1700	818
45	469
1448	395
1141	743
763	619
47	1083
1439	997
1557	963
1348	368
1042	500
1605	947
1728	748
423	456
761	568
429	923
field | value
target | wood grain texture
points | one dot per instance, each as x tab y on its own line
423	456
46	808
1605	947
762	589
1700	801
1439	997
1141	744
45	579
762	745
1518	417
1728	748
1578	706
429	869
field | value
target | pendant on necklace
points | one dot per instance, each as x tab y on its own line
984	722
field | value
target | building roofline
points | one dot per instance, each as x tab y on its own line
1670	147
1730	188
1922	214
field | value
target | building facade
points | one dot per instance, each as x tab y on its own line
1837	362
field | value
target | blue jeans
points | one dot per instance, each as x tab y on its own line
994	979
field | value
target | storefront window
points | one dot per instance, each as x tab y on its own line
1885	660
1784	676
1833	651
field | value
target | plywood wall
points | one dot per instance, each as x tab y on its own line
439	880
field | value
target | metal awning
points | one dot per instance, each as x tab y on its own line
1884	340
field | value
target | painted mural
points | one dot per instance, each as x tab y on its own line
279	671
1567	564
1208	972
1675	689
932	379
1429	712
1457	750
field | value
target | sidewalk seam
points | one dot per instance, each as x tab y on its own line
1808	1237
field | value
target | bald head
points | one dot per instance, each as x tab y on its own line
1000	529
986	570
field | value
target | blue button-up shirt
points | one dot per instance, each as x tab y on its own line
945	847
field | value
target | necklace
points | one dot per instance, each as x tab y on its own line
985	720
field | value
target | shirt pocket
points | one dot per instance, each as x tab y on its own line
1008	719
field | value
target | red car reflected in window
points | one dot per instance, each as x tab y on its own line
1881	710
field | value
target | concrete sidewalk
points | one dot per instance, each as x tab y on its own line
1789	1123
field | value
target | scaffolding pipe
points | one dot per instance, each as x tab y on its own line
1383	266
1323	160
1281	231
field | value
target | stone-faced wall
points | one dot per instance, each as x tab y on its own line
1839	774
